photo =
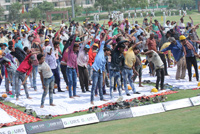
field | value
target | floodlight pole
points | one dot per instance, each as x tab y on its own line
73	11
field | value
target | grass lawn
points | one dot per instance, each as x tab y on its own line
182	121
195	16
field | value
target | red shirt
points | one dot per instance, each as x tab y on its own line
151	44
110	23
92	56
25	67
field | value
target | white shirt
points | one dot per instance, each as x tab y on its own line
156	60
45	69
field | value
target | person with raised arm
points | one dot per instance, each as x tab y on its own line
99	68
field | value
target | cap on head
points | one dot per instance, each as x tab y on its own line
182	37
96	45
87	46
46	40
50	28
22	30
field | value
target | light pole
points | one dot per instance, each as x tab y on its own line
73	11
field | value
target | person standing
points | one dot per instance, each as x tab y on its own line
72	67
116	66
178	53
190	57
129	68
50	59
99	68
82	62
47	79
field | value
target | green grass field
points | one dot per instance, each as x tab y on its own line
194	15
182	121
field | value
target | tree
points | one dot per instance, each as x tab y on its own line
136	3
46	6
35	13
153	3
14	11
88	10
25	15
2	10
105	4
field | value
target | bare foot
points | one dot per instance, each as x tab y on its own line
42	106
29	98
17	99
92	102
52	105
76	96
71	97
104	100
141	86
96	95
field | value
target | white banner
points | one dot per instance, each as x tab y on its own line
20	129
148	109
170	105
80	120
195	100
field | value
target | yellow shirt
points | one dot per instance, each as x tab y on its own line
130	58
165	45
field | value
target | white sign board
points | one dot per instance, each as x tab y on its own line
80	120
20	129
195	100
148	109
170	105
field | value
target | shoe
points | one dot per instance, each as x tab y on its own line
60	91
90	110
128	94
136	93
54	92
88	91
83	91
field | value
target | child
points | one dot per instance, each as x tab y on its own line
47	79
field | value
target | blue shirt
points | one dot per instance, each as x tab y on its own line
19	44
100	60
176	49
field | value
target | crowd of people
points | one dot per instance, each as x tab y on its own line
99	55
